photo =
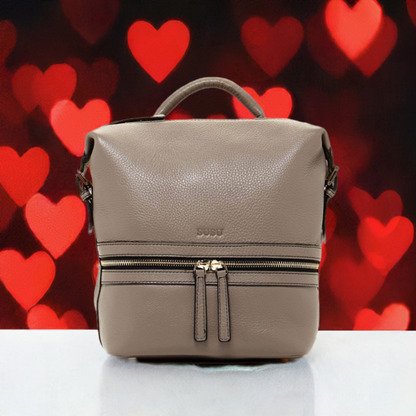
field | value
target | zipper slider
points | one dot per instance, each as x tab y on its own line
224	324
200	318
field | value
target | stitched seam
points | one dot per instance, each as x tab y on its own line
219	310
197	337
184	272
227	308
194	120
121	282
242	244
203	296
196	256
227	335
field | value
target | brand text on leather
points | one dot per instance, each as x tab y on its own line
210	232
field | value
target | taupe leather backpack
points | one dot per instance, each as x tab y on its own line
208	232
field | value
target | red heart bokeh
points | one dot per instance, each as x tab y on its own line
91	19
27	280
72	124
384	245
332	59
275	102
56	84
353	280
354	283
353	29
43	317
395	317
98	80
7	39
32	87
22	83
158	51
384	208
411	8
323	49
56	226
272	47
23	176
379	50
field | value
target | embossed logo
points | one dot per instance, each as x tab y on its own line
209	232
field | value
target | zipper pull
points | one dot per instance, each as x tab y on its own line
224	324
200	318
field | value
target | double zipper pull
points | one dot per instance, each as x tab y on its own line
224	332
200	324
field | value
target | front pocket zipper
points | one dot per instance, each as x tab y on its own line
189	264
200	269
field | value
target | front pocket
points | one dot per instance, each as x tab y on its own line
211	273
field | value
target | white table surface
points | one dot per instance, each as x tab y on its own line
62	373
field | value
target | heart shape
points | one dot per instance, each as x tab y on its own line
31	86
323	48
23	176
43	317
384	208
56	226
7	39
27	280
352	279
354	283
72	124
372	58
91	19
395	317
98	80
353	29
22	83
272	47
384	245
411	8
56	84
158	51
326	52
275	102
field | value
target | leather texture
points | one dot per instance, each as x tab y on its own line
158	321
261	181
201	189
210	82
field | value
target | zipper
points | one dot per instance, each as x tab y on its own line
231	264
200	269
